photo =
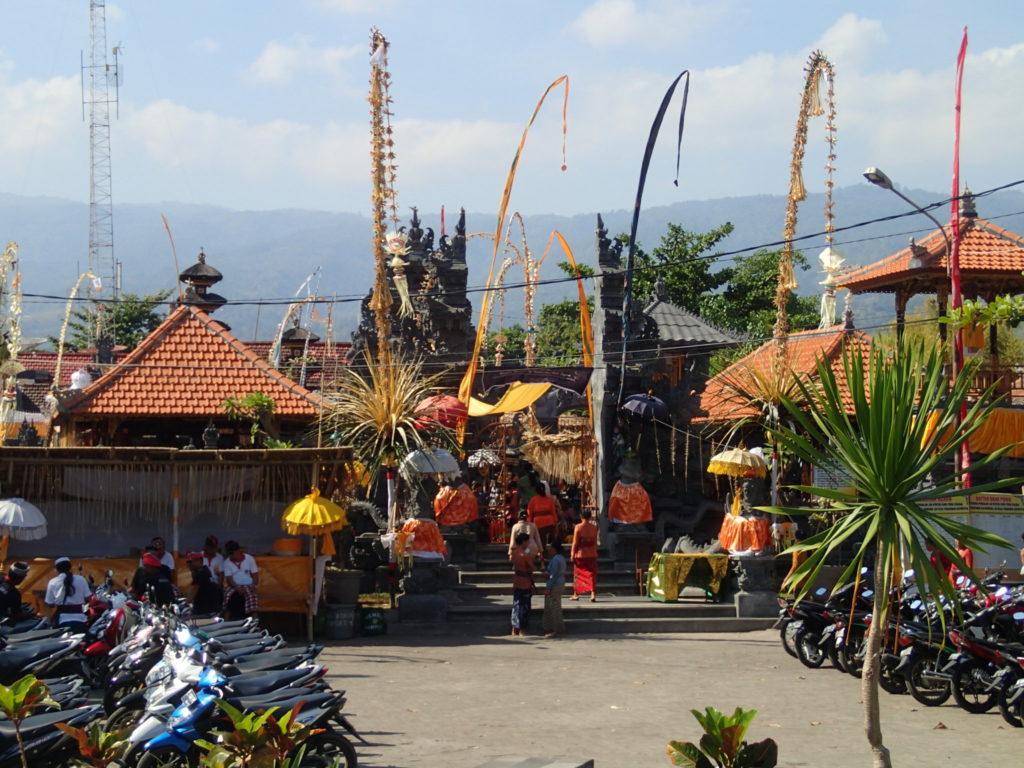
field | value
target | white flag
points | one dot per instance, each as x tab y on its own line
97	284
377	57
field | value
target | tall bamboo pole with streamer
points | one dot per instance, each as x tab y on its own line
818	68
382	196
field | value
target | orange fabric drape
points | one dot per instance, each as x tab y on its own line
629	503
741	534
426	537
455	506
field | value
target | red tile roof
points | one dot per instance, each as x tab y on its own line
188	366
721	400
986	251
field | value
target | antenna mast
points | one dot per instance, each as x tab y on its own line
102	91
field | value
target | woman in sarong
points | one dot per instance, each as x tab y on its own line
584	557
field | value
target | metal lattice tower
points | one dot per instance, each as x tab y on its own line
97	96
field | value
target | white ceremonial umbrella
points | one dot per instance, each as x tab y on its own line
22	520
431	461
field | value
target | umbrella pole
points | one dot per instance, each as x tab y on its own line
312	588
175	494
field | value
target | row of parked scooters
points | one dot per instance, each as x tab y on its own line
159	673
930	651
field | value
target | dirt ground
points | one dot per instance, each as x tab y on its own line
457	702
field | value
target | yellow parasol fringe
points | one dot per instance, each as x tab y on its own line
313	515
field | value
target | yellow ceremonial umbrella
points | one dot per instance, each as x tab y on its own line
314	516
738	462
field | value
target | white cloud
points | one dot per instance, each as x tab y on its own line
206	44
354	7
282	62
114	13
609	23
39	114
852	40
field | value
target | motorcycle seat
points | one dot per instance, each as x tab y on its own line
305	697
264	682
265	662
15	658
31	726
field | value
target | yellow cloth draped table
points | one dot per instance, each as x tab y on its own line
669	572
629	503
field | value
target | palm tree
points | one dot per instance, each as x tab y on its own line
895	429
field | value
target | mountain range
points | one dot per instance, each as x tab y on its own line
269	254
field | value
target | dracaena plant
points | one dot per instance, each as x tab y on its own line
22	699
722	744
97	747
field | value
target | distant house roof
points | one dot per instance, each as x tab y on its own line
991	261
680	326
188	366
721	399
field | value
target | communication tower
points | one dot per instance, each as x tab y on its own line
102	90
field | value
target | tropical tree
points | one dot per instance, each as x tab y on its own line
128	320
898	432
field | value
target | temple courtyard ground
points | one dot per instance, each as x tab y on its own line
453	701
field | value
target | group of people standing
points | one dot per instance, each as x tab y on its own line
527	551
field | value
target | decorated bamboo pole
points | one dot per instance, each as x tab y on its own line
818	68
383	169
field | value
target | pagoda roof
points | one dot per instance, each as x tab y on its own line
991	262
722	400
188	366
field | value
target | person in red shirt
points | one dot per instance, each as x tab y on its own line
967	555
543	512
523	561
938	558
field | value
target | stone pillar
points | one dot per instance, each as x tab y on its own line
607	350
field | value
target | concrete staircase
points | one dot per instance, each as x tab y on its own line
483	601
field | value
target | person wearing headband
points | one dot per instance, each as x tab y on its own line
153	580
66	594
10	595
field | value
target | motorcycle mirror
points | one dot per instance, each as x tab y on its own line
1018	616
961	580
863	570
867	593
916	604
1002	591
109	573
820	591
908	574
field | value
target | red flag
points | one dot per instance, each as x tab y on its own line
956	299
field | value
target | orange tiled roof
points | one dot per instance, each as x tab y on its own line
188	366
986	250
722	402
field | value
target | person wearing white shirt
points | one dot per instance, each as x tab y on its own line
242	576
66	594
213	559
159	548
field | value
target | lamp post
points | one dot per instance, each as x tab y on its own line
878	177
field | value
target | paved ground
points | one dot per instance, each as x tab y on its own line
457	702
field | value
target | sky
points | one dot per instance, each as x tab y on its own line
261	104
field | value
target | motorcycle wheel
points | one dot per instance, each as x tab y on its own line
327	750
788	634
808	651
1007	710
835	657
850	654
890	681
927	692
114	694
968	692
94	671
165	757
124	717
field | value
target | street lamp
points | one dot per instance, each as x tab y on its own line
877	177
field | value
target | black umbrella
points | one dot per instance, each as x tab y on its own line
647	407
